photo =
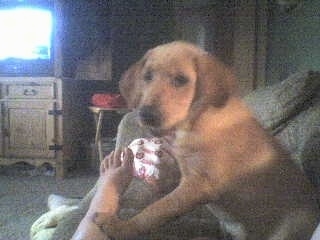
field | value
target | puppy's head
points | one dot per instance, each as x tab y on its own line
173	83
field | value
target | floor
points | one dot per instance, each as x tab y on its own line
24	192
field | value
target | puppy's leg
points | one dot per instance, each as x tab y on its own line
183	199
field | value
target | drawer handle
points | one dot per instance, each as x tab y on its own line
28	92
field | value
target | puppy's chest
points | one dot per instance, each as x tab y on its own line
194	159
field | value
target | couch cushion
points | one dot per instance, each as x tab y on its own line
276	104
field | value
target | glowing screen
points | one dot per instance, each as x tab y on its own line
25	33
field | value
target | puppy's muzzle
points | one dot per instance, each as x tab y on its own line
150	116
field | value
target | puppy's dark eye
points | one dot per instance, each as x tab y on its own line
180	81
148	76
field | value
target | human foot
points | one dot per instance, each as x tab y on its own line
115	176
117	170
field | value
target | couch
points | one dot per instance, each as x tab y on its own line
289	109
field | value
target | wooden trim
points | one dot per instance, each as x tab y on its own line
250	43
261	43
244	44
61	164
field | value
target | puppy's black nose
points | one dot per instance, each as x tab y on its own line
150	116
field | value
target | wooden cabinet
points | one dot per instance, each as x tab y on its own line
29	129
31	121
47	120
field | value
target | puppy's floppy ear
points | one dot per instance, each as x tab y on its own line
215	82
130	84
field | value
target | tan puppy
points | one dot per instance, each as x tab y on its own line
226	158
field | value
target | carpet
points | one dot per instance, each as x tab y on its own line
24	193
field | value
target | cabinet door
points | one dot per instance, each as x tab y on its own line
29	129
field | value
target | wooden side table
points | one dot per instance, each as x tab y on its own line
99	113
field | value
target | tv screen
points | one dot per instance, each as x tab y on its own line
26	40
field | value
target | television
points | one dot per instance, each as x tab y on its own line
26	38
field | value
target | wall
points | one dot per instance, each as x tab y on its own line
85	28
136	27
208	24
294	38
102	35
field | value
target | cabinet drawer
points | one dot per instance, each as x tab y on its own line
29	91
